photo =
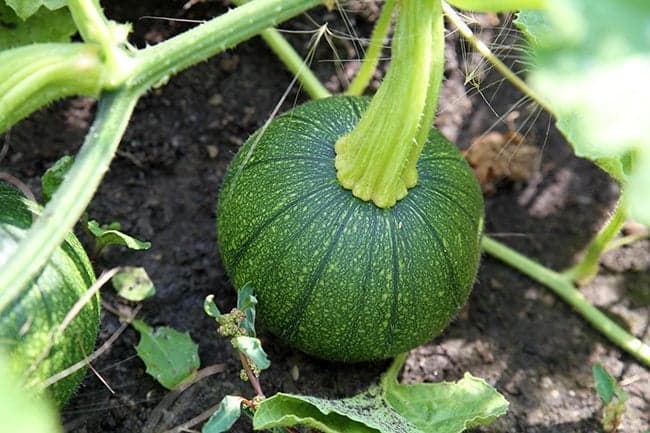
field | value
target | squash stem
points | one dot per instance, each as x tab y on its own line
375	47
564	288
587	268
377	160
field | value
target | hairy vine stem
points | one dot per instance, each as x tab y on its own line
72	197
146	68
563	287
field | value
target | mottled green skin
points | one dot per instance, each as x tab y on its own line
25	326
337	277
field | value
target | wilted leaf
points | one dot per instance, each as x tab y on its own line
252	348
111	235
224	418
390	408
53	177
133	284
171	357
497	156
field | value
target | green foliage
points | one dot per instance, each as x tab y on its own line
246	303
612	395
210	307
54	175
224	418
390	407
590	61
21	412
23	24
111	235
252	348
133	283
26	8
497	5
171	357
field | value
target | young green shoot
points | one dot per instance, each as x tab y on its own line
587	268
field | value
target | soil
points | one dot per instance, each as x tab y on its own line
163	186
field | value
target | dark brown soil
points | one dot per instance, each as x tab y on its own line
163	187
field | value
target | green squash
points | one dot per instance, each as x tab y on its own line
337	277
25	326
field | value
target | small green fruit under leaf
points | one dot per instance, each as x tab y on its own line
26	326
337	277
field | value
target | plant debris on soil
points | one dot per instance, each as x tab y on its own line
163	185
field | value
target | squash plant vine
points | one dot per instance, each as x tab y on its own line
119	74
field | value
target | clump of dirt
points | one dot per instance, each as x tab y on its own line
163	187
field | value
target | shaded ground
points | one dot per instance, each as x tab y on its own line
163	187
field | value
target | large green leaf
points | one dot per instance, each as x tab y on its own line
26	8
390	407
41	25
590	62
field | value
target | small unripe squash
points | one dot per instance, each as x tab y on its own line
26	325
335	276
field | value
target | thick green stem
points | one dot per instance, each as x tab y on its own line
373	54
292	60
295	64
587	268
156	64
34	75
72	197
96	28
377	160
564	288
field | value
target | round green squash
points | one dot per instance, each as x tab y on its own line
337	277
26	325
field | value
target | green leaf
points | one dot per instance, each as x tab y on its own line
210	307
26	8
497	5
42	26
20	412
246	302
54	175
390	407
589	58
252	348
171	357
133	283
110	235
605	383
224	417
